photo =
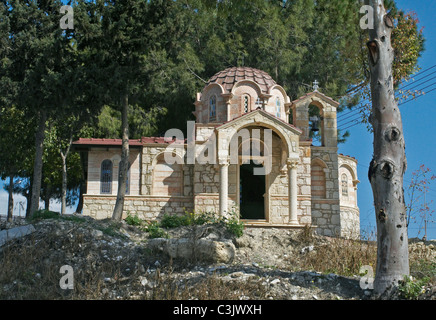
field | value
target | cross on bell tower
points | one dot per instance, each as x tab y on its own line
315	85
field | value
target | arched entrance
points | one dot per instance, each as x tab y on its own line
266	183
252	192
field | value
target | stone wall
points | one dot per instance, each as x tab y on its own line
146	207
350	222
326	215
350	215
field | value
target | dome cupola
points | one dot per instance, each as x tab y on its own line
235	91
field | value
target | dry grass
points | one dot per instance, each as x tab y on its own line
30	269
346	257
210	287
340	256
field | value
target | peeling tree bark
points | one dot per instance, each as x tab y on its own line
389	160
37	166
124	163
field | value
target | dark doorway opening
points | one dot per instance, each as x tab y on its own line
251	192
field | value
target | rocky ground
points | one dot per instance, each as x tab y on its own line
114	261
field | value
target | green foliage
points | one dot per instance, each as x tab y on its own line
44	214
188	219
133	220
155	231
154	228
47	214
235	226
411	288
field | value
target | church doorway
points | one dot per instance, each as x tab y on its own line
251	192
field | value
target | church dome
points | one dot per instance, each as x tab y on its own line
229	77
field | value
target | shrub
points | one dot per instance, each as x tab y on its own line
234	225
133	220
171	221
44	214
411	289
188	219
155	231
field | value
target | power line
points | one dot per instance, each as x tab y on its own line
433	192
348	114
415	83
414	98
341	116
355	118
399	104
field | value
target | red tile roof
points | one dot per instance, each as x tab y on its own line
228	77
316	92
118	142
159	140
106	142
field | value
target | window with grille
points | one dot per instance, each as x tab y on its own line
212	108
246	104
344	184
106	177
278	108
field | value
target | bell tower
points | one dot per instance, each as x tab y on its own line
326	123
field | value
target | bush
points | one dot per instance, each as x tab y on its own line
169	221
235	226
44	214
155	231
188	219
172	221
411	289
133	220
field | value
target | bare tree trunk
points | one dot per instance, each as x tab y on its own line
64	184
11	198
64	175
389	160
80	203
123	167
82	188
47	197
37	166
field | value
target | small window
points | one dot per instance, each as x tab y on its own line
246	104
106	177
344	184
212	108
278	108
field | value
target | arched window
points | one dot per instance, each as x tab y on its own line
212	108
106	177
278	108
316	125
246	104
344	185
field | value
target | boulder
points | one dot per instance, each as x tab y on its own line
14	233
205	250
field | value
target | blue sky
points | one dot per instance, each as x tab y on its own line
418	128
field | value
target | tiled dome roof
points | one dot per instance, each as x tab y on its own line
228	77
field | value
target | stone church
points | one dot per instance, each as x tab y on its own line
250	151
